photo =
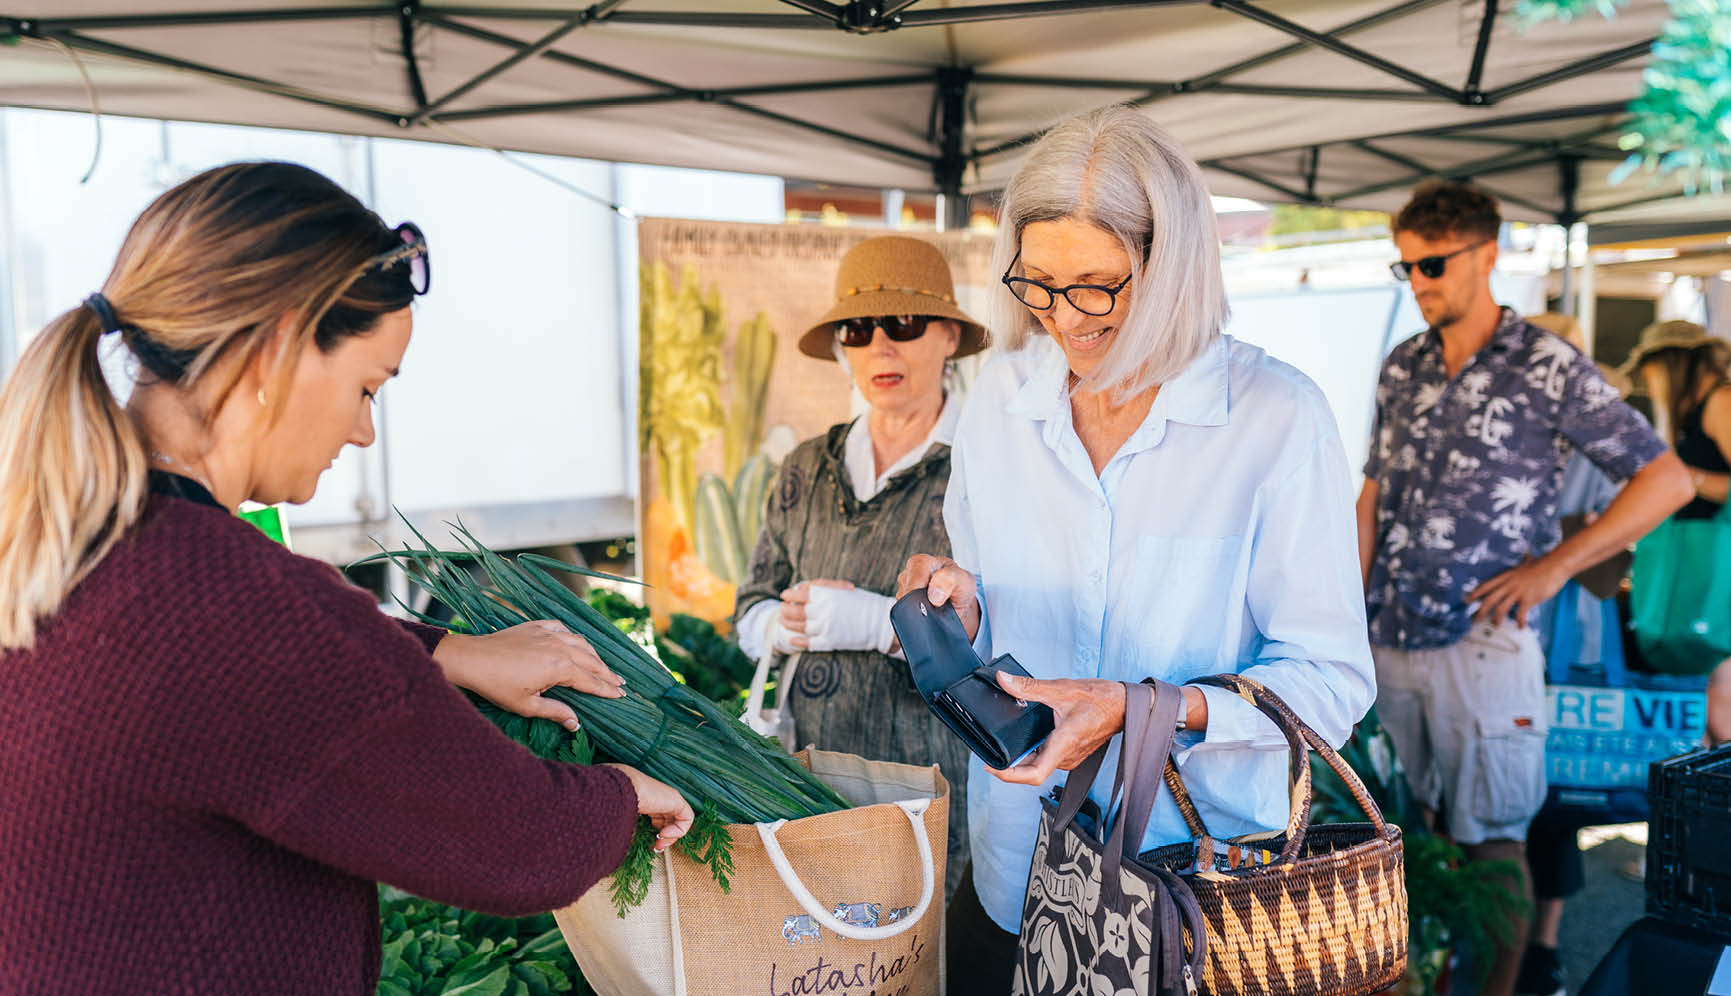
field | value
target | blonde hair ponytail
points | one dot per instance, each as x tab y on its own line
74	474
205	278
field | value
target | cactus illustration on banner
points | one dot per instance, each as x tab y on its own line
750	493
696	385
748	392
679	377
728	520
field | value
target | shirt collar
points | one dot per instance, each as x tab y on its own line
1197	396
180	486
1509	336
861	463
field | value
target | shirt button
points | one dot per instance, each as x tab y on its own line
1095	577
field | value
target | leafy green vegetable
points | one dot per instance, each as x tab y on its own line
432	950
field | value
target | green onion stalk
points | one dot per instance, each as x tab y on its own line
728	772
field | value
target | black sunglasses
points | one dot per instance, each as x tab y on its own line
1430	266
856	332
414	250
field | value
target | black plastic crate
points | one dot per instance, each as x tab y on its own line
1689	840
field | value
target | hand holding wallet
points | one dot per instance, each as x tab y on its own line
960	690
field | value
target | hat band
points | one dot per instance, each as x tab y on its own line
876	288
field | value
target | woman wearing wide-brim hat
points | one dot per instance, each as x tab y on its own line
852	504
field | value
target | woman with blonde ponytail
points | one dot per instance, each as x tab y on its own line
214	748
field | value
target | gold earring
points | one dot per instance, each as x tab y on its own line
263	402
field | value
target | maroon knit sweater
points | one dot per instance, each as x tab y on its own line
216	747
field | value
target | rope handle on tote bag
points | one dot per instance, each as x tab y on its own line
914	810
1301	737
753	715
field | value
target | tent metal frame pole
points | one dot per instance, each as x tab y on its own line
1519	159
104	22
817	8
1441	131
1481	48
1504	195
1338	47
1624	205
952	162
1034	8
439	19
667	87
1413	165
1214	80
87	44
1591	64
872	143
1209	80
1297	196
1418	167
678	94
821	17
406	34
1177	86
522	55
1568	185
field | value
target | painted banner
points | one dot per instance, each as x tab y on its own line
725	394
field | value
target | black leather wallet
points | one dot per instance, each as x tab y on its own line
961	691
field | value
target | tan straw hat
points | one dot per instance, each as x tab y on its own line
892	275
1674	334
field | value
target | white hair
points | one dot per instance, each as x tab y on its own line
1117	170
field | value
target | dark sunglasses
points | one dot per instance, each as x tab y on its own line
1430	266
856	332
413	250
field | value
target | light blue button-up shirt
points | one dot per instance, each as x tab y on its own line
1221	537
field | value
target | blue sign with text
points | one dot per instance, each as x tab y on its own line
1604	738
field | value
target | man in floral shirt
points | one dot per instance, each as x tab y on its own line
1458	531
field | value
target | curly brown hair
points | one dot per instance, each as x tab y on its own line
1443	208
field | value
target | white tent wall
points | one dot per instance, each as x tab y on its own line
515	411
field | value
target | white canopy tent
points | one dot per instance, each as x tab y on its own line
1343	102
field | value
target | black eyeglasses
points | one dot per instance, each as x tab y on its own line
1430	266
1089	299
414	250
857	332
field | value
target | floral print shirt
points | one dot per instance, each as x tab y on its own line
1469	469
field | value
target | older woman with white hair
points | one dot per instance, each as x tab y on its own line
1134	494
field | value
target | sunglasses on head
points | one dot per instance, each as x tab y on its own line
856	332
1430	266
413	250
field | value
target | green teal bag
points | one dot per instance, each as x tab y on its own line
1680	595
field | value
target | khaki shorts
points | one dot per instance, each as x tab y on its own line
1468	724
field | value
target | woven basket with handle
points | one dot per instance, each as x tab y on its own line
1306	910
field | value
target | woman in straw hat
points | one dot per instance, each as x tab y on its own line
1137	495
853	504
1687	374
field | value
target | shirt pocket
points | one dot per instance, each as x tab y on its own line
1183	604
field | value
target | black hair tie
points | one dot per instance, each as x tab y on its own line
104	312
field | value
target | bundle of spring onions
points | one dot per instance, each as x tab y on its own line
727	772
